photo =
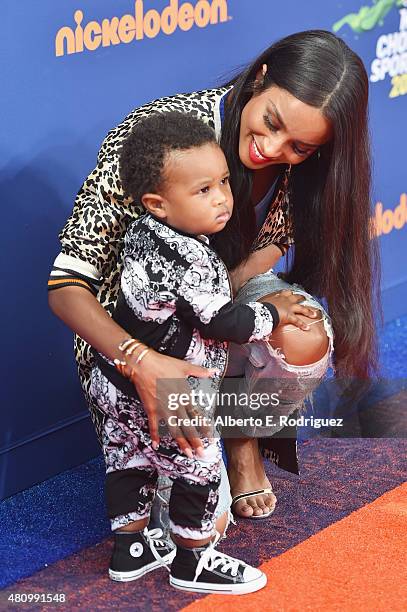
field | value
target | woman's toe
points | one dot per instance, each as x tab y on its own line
270	502
260	504
243	509
265	509
254	503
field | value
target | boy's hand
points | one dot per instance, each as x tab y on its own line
288	306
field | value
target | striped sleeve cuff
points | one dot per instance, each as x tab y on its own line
68	271
69	282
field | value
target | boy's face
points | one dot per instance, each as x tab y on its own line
196	195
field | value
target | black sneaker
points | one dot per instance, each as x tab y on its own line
206	570
138	553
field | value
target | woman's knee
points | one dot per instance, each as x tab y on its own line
301	347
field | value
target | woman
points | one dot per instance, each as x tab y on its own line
293	126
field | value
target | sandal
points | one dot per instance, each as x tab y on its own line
237	498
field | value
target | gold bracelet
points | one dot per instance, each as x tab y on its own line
120	365
133	347
125	343
142	354
139	358
129	346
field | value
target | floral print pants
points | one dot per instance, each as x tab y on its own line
133	467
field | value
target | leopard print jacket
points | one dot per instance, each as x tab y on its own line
92	238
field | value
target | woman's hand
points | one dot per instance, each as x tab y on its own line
288	306
80	310
155	378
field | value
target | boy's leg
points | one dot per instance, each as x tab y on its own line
136	553
137	550
198	566
131	483
160	509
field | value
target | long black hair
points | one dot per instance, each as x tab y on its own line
334	256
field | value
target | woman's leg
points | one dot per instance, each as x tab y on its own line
291	355
246	473
245	464
301	347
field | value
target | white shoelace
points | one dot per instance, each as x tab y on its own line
211	559
155	540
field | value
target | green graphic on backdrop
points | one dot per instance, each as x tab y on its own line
368	17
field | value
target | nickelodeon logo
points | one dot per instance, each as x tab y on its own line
385	221
128	28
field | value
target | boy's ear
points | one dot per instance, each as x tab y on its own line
155	204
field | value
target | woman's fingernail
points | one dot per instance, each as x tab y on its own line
155	445
188	453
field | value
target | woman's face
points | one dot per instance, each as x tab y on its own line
276	128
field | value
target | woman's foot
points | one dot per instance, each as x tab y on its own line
246	474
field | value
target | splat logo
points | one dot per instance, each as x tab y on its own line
140	24
391	47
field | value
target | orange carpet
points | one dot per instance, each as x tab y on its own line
357	564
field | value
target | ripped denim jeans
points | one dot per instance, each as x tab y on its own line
258	370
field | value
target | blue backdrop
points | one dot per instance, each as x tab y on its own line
58	109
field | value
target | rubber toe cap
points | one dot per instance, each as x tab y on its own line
252	573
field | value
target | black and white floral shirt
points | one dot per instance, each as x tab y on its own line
175	296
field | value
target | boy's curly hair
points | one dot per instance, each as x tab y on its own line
142	157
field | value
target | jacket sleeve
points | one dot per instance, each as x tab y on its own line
94	232
205	304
